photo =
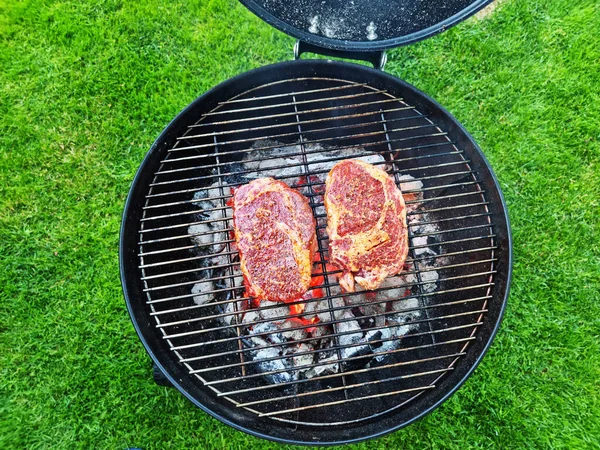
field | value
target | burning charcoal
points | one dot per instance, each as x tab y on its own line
271	160
322	309
317	165
303	360
200	199
233	311
313	309
396	287
275	336
271	168
321	331
264	327
355	298
376	310
279	364
402	330
254	341
200	288
402	316
205	235
399	325
233	176
250	317
294	335
408	285
339	303
352	338
208	198
406	304
373	335
390	342
408	183
429	279
367	305
277	314
201	234
327	365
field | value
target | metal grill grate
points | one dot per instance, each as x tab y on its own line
447	282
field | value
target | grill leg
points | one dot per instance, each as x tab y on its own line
159	377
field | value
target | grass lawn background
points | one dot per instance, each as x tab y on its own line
85	88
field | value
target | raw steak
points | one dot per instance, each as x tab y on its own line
275	234
366	224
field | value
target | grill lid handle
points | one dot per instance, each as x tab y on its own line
377	58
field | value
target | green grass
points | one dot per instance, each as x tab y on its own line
85	88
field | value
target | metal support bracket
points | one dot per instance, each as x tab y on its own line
378	58
159	377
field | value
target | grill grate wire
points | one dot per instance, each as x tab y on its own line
411	144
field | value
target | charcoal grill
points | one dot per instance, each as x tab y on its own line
292	121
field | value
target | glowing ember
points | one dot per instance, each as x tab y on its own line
299	321
297	309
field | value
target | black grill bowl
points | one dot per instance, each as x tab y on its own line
426	155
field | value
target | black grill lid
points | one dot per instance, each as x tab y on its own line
363	25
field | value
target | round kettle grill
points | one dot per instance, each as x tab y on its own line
366	363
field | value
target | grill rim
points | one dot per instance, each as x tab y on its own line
130	225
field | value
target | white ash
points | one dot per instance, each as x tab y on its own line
392	325
255	341
271	332
407	312
429	279
209	234
373	335
211	226
296	331
321	331
328	364
303	359
408	183
279	365
406	309
266	357
274	311
274	155
399	324
250	317
390	341
374	310
322	309
348	340
208	197
200	289
397	286
233	312
203	236
423	236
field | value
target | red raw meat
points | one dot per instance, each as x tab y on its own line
366	224
275	233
